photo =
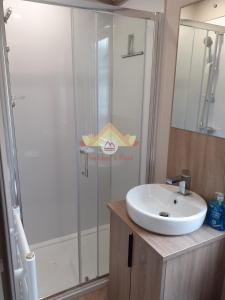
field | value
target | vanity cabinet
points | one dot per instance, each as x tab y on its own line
147	266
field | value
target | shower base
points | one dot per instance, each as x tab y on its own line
57	260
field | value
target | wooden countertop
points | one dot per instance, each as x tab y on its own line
167	246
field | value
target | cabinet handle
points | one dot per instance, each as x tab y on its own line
130	250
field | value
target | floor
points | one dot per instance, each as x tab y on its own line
101	294
57	261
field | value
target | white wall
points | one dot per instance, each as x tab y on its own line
42	82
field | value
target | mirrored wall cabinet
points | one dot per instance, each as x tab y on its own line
197	135
199	92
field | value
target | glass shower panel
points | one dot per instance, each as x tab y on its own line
109	104
92	50
127	103
105	25
42	86
120	87
85	82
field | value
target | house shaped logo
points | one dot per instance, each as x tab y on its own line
109	139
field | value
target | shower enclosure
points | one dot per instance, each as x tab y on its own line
198	65
75	75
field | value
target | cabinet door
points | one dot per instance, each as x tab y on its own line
147	273
197	275
119	278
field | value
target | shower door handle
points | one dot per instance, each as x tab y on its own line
84	153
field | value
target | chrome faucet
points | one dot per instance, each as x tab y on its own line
184	182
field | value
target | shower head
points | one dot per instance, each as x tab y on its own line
7	14
208	41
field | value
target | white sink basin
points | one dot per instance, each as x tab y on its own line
161	209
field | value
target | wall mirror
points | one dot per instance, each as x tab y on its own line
199	92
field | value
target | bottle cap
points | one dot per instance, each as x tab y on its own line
220	196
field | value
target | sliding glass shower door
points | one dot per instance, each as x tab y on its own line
108	60
92	50
85	82
80	108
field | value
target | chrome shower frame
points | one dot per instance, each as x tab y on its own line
9	131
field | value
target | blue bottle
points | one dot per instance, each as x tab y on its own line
216	212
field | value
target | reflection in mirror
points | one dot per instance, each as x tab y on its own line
199	93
